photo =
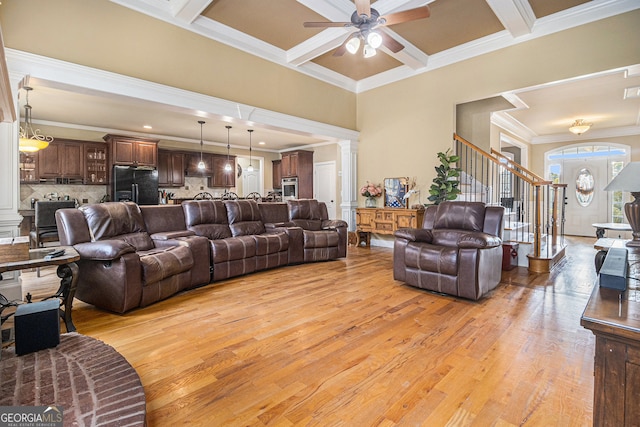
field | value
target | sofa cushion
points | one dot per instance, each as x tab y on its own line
435	258
271	243
232	248
244	217
463	216
158	264
306	209
207	218
320	239
117	220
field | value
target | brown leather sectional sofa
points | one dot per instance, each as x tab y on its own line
132	256
458	250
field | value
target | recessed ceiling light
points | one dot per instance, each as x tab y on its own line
147	127
261	143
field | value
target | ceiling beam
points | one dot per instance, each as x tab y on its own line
188	10
317	45
516	15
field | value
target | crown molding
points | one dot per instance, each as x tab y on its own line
591	134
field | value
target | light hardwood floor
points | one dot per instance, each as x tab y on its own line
343	344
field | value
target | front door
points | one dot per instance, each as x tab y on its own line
585	207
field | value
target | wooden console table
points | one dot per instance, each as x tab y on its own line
614	318
385	221
67	272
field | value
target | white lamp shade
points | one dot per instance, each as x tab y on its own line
627	180
368	51
353	45
374	40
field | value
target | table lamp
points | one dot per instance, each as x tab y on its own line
629	180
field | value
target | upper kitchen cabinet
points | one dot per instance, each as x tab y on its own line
131	151
171	168
294	163
277	174
191	164
62	162
29	167
299	164
219	176
96	163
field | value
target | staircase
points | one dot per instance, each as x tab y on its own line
534	207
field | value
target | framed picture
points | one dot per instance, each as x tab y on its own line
394	192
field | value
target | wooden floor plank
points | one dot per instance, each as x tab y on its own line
342	343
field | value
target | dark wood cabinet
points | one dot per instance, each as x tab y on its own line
171	168
614	318
299	164
62	162
96	171
131	151
219	176
277	173
29	167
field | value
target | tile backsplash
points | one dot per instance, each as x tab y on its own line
90	193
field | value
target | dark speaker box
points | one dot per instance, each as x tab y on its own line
37	326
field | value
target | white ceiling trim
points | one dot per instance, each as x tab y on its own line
317	45
579	15
61	74
507	122
188	10
515	15
410	55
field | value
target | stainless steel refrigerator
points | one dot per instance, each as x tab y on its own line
136	184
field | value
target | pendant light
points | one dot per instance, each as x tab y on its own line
31	140
201	165
228	167
250	167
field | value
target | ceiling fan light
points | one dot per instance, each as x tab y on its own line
353	45
368	51
374	39
579	127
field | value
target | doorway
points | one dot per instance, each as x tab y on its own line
324	185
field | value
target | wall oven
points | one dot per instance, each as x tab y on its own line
289	188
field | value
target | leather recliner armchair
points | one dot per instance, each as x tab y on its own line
458	250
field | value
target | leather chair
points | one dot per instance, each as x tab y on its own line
45	221
324	239
458	250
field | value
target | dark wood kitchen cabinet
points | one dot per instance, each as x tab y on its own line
277	173
62	162
29	167
171	167
299	164
132	151
96	171
219	176
191	164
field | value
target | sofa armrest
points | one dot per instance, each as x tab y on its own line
415	235
478	240
169	235
333	224
103	250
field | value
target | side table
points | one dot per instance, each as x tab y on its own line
614	319
67	272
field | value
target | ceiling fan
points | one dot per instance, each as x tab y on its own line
366	20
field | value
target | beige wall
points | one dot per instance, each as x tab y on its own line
103	35
404	124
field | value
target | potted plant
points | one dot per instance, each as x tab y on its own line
445	184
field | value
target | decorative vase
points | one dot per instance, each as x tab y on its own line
370	202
